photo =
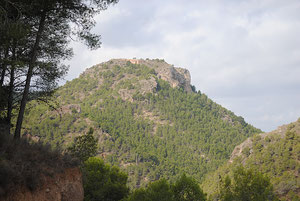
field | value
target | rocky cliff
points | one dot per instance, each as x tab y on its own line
176	76
65	186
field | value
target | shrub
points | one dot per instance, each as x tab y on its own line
103	182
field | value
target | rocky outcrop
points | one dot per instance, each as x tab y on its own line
248	143
183	77
65	186
177	77
238	150
148	86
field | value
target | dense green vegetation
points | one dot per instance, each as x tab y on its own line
103	182
184	189
275	155
84	146
246	185
154	134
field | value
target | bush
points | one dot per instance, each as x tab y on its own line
247	185
103	182
187	189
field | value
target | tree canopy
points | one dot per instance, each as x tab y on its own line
184	189
103	182
247	185
84	146
34	40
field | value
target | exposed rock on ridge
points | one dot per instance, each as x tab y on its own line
176	76
248	144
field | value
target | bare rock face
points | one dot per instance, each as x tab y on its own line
65	186
177	77
147	86
238	150
183	77
126	94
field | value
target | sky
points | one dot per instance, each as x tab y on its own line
243	54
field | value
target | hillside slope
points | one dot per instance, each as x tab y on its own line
276	154
147	117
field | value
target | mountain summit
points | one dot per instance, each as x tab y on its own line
175	76
147	117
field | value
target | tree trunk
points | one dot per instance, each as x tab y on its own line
11	89
29	75
4	66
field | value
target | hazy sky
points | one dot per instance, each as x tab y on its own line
244	54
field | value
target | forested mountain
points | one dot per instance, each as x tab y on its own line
275	154
147	118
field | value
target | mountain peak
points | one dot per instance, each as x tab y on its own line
175	76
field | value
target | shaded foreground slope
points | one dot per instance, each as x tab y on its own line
32	171
147	117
